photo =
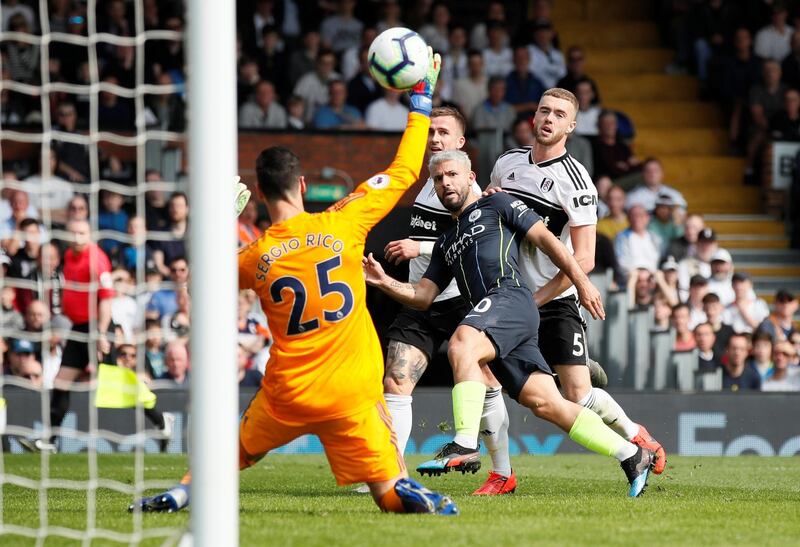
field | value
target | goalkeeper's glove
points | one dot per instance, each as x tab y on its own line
422	93
242	195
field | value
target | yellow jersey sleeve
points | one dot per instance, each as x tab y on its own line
374	198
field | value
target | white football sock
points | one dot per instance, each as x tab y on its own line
494	430
402	417
603	404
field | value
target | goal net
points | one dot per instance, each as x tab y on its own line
96	97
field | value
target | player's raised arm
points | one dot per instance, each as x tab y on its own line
374	198
418	296
540	236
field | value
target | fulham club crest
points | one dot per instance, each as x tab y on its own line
547	183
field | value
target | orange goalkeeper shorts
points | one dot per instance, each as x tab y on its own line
359	448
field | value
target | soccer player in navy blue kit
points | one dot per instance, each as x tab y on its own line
501	329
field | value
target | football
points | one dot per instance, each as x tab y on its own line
398	58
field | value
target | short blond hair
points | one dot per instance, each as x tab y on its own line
561	93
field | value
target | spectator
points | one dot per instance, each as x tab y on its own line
166	56
774	40
712	29
11	319
635	246
721	280
73	158
494	114
780	323
746	312
303	60
50	192
296	113
313	86
739	73
112	217
698	289
342	31
521	134
124	308
113	111
177	326
662	223
247	375
617	220
580	148
641	289
686	245
436	31
498	58
523	89
588	109
790	67
662	313
785	376
667	280
736	375
253	333
707	360
576	73
176	357
272	60
547	62
129	254
387	113
684	337
164	252
653	188
714	309
390	16
785	124
20	207
154	349
264	14
454	63
794	338
700	264
765	100
37	317
605	259
22	363
471	89
248	231
337	114
24	261
761	359
246	81
164	302
155	203
22	57
47	270
166	111
479	35
362	89
612	157
264	111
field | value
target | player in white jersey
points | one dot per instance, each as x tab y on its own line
560	190
415	336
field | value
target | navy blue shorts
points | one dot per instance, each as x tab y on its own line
509	317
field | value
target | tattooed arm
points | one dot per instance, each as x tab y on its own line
418	296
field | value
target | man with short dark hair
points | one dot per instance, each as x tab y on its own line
707	360
747	311
713	309
780	323
736	375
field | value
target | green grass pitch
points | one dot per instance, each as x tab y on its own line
561	500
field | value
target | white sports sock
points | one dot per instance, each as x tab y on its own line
603	404
494	430
402	417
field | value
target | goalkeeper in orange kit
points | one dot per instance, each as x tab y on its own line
325	373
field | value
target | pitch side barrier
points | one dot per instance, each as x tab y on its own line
690	424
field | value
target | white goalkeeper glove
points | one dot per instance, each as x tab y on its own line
242	195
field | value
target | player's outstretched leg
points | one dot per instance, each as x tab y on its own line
494	432
575	380
587	429
171	501
405	495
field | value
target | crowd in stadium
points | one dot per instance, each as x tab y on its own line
303	66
